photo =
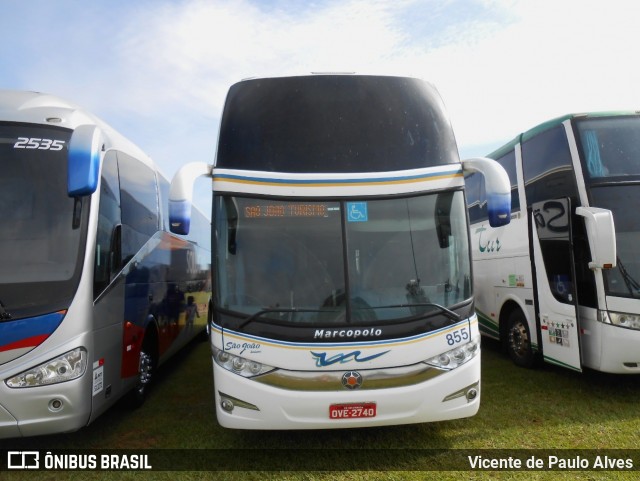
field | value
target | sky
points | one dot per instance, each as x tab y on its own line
158	70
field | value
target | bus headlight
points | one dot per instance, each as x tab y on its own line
456	357
623	319
239	365
68	366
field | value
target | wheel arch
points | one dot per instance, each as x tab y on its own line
510	305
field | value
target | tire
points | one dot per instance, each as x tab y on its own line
146	371
518	340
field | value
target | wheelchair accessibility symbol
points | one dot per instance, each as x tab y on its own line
357	212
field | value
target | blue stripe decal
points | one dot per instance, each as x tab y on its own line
14	331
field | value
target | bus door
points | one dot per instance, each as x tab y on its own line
554	267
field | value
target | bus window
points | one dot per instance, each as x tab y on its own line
107	258
546	163
139	199
341	123
610	146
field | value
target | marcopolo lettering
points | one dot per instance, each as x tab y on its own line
346	333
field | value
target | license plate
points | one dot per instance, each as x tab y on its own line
351	411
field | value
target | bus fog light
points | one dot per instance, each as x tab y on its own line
472	394
226	404
55	405
68	366
229	403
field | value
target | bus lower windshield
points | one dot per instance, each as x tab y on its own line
610	148
42	236
624	279
341	262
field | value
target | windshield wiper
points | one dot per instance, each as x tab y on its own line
447	312
630	282
261	312
454	316
4	315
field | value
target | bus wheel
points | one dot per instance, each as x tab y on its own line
519	340
145	372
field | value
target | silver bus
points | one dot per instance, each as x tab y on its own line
95	292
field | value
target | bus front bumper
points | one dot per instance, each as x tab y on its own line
242	403
42	410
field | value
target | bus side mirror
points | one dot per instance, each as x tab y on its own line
83	160
602	236
181	195
497	188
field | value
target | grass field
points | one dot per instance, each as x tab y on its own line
546	409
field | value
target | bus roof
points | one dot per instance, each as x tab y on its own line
40	108
549	124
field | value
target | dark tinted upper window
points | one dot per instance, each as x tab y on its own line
610	147
334	123
139	200
107	256
547	167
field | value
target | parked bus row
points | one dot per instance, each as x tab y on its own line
341	288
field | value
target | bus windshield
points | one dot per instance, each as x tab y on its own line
610	152
341	262
334	123
42	231
624	279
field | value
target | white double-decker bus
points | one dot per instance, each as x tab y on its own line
95	292
562	280
341	266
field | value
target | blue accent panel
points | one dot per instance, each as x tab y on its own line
14	331
83	161
499	209
83	172
179	216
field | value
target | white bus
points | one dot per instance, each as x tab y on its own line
560	282
93	288
341	264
